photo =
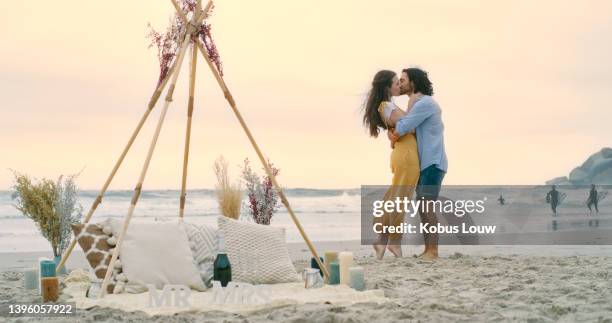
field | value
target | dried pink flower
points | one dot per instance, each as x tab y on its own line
263	198
168	43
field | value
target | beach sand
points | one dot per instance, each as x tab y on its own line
494	283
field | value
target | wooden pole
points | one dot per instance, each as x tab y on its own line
198	6
98	200
179	11
281	194
138	189
232	103
192	76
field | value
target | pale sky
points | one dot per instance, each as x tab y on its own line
524	87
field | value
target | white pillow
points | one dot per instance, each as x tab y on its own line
157	253
257	253
203	242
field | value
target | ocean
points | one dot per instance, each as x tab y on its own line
326	215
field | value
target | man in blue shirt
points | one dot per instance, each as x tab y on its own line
426	117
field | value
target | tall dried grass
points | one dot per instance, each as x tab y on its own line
229	195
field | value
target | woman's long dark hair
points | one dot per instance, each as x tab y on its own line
381	91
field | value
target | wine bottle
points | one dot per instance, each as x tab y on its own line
222	268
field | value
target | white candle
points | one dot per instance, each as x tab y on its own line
346	261
356	277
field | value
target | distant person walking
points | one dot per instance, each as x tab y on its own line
553	198
592	199
501	199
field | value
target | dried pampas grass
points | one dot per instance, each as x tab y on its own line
229	195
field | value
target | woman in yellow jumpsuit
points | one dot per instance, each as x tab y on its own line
382	113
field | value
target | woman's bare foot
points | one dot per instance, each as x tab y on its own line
379	248
396	249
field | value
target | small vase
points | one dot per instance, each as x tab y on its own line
57	260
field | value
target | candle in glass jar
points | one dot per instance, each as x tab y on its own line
334	273
50	289
330	256
315	265
47	268
356	278
346	261
30	278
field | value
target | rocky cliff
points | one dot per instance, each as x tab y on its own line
597	169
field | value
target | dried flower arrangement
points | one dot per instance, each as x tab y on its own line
263	198
52	205
229	195
168	42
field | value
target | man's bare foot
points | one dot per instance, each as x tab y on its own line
421	254
396	250
429	256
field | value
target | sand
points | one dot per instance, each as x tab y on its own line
480	284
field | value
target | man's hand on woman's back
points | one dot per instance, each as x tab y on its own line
392	137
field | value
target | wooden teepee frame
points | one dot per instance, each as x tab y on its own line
188	38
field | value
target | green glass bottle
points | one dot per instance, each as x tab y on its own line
222	268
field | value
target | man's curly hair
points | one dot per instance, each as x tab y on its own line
420	79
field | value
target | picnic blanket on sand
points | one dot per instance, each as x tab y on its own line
279	295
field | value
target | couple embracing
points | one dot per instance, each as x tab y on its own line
418	157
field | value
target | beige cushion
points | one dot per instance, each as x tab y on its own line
257	253
157	253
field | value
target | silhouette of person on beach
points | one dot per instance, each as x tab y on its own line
553	198
501	199
592	199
